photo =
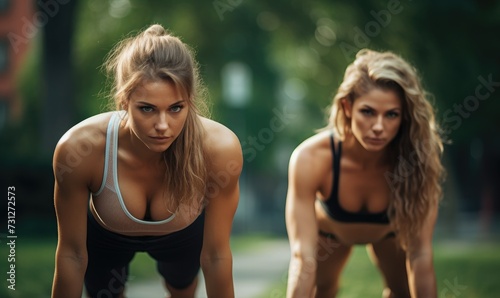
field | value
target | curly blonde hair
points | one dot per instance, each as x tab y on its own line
155	54
417	172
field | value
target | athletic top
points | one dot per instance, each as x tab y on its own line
332	205
108	207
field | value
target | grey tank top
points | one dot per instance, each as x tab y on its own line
109	210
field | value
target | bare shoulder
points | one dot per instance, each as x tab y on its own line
310	163
219	136
81	145
91	131
312	153
222	145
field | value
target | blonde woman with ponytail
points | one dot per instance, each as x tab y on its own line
153	176
371	177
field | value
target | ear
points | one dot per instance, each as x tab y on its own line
347	107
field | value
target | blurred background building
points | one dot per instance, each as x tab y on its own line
13	48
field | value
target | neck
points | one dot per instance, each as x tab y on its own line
364	158
137	152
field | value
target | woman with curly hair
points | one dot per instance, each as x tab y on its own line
372	176
154	176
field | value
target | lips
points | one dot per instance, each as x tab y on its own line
161	139
375	140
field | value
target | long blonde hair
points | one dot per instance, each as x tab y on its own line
417	172
155	54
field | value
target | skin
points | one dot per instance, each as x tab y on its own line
317	262
156	114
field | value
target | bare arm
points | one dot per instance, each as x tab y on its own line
301	225
421	275
70	197
222	195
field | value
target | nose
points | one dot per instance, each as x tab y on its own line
378	126
161	122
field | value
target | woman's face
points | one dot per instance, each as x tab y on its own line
375	118
157	114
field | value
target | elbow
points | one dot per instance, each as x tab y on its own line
303	253
303	262
303	258
209	259
420	256
73	259
82	261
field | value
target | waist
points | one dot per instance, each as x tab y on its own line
332	236
350	233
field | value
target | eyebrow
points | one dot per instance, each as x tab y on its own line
150	104
389	110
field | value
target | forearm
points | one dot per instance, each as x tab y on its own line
68	278
218	274
301	277
421	277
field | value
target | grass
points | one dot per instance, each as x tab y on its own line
470	270
34	266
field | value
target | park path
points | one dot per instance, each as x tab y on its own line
255	273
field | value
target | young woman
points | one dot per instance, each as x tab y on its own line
372	176
161	179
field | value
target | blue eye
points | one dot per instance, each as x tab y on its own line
177	108
367	112
146	109
392	115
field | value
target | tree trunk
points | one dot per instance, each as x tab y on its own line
58	106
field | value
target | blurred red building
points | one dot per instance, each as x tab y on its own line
15	37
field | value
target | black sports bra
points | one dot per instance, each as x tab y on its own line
332	205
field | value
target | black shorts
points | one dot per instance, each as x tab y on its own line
177	256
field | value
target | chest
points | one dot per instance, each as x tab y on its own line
143	190
359	190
